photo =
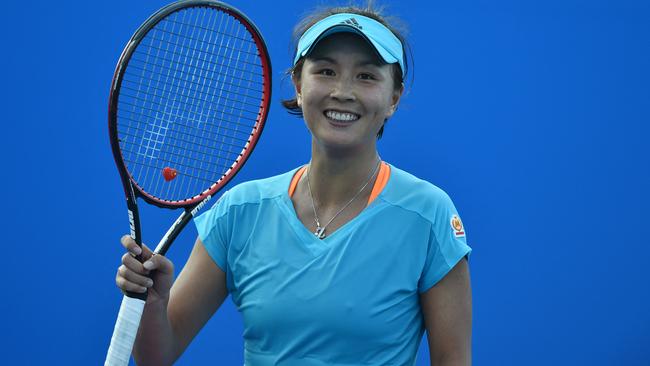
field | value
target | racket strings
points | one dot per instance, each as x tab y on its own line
234	67
151	107
162	66
194	168
179	174
242	139
198	26
196	151
192	103
231	106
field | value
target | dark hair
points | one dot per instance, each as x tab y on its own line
369	11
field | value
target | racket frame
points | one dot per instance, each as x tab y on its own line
133	303
129	183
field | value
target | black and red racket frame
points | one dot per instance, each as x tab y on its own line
131	188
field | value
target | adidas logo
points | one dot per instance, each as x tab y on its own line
353	22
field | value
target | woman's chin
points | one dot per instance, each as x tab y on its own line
343	142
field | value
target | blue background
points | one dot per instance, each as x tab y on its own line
532	115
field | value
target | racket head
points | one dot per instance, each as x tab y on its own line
190	94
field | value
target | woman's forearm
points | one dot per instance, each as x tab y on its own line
155	343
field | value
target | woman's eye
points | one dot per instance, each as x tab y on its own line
365	76
326	72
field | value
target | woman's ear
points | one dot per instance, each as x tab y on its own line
395	98
297	86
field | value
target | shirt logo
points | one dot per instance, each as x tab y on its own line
457	226
352	22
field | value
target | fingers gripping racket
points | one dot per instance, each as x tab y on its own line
188	102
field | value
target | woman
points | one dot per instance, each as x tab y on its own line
344	261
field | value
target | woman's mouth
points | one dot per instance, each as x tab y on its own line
341	117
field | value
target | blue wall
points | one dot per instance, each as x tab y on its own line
532	115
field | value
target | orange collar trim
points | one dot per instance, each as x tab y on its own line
380	182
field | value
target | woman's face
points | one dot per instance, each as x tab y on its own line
346	92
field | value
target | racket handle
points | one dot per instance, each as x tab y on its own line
126	328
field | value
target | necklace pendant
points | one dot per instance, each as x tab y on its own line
320	232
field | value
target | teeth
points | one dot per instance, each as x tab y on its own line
339	116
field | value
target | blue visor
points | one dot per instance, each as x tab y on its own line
387	45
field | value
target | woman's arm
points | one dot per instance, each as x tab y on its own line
169	325
447	310
197	294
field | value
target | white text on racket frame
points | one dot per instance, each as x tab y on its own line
200	205
132	225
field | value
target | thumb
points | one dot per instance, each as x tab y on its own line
159	263
146	253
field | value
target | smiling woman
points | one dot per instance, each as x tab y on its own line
395	42
344	261
346	93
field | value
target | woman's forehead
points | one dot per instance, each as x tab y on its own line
346	44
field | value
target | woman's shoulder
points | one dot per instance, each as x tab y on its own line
412	193
256	190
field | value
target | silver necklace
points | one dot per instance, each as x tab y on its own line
320	230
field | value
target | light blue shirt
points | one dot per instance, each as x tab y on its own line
349	299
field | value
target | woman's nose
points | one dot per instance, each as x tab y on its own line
343	90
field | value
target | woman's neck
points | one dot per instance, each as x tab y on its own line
336	178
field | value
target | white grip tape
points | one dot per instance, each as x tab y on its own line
126	328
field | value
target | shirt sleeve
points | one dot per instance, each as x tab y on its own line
212	228
447	243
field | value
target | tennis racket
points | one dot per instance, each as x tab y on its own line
188	102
